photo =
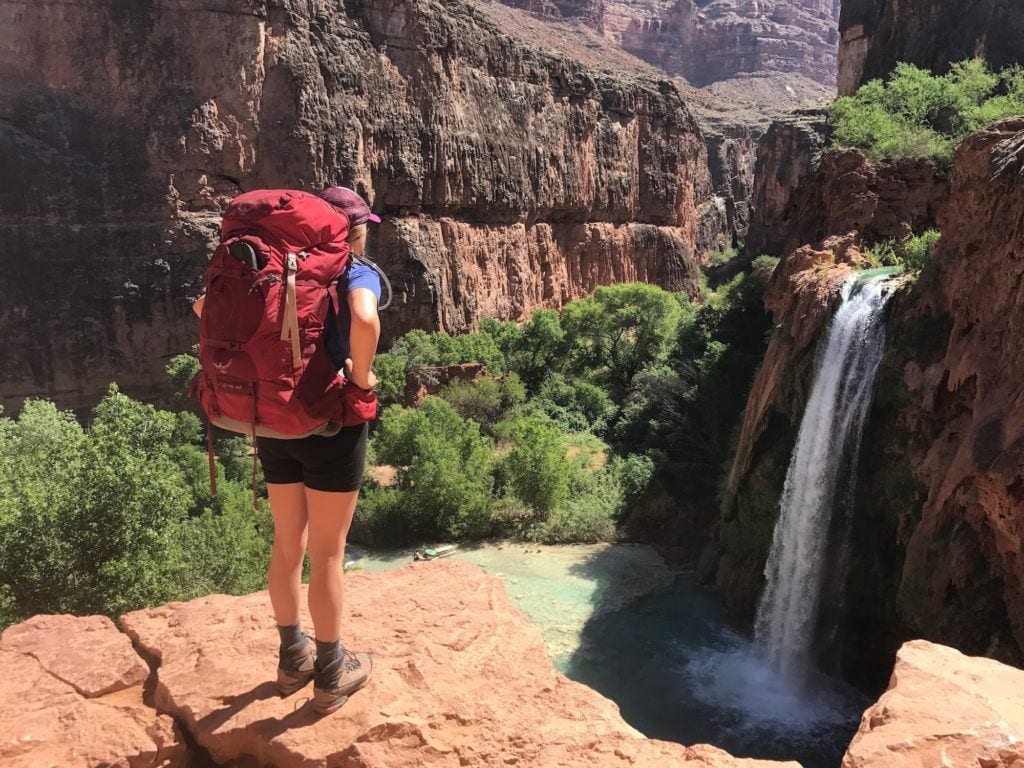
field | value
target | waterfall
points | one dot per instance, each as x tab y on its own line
823	462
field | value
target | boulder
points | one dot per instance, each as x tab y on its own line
71	694
943	709
461	678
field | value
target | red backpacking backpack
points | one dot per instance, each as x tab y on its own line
265	370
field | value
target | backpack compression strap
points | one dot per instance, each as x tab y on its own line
290	321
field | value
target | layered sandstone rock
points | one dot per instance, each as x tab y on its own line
460	678
963	554
877	34
71	694
943	708
509	174
710	41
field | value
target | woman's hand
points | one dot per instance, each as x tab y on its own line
363	380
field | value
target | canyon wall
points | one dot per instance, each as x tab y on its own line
509	177
706	42
876	34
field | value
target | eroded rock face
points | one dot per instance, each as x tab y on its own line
943	708
710	41
460	678
963	557
126	132
877	34
71	694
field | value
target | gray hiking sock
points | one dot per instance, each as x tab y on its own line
293	644
329	657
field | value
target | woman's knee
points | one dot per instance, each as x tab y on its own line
288	553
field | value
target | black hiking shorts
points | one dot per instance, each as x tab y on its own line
323	463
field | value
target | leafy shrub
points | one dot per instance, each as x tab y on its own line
118	516
574	404
917	251
446	470
913	254
536	470
764	265
918	114
484	399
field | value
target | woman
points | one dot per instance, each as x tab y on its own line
313	484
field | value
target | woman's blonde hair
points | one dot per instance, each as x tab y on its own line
357	232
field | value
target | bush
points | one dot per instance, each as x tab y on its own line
536	470
917	251
575	405
446	470
485	399
913	254
118	516
918	114
588	515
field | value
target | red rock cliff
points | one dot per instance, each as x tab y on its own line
938	516
509	176
876	34
460	678
192	684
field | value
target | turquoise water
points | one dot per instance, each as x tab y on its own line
657	644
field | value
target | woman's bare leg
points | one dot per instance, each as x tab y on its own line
330	515
284	577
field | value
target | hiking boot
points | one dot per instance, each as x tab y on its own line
297	670
331	690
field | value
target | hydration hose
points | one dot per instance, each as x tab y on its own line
385	283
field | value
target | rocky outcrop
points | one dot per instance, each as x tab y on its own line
799	198
460	678
71	694
877	34
943	708
706	42
509	174
963	554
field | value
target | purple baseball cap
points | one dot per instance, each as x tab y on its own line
349	202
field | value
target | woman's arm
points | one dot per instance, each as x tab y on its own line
363	337
197	305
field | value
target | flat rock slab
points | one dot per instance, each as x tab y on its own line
71	694
461	678
943	709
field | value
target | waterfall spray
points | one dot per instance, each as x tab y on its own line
828	442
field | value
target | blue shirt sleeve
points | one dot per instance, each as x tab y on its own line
336	334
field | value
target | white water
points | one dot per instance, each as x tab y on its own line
821	466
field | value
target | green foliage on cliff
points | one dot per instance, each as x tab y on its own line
917	114
911	255
118	515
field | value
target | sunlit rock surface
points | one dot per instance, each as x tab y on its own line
943	709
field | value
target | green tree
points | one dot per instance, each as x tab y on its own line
536	470
446	470
619	331
539	349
